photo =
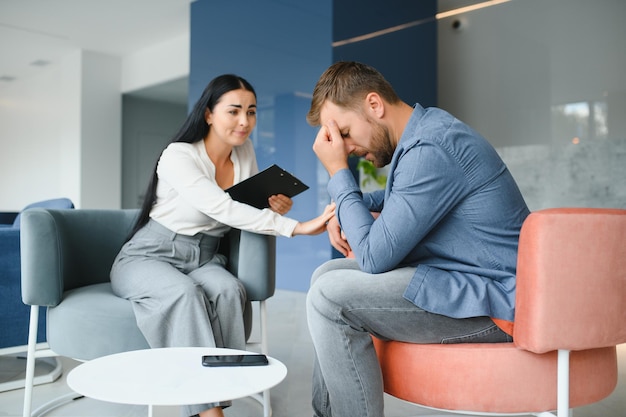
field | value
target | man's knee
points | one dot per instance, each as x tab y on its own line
315	298
329	293
319	271
333	265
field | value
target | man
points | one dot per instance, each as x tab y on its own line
438	263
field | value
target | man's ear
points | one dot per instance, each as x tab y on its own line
375	105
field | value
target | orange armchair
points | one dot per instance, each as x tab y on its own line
570	315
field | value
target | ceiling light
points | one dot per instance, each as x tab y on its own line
40	63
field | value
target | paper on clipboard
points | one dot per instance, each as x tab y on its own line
257	189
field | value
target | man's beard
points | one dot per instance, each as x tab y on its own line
380	145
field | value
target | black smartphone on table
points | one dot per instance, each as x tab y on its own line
234	360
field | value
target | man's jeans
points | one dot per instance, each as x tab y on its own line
345	306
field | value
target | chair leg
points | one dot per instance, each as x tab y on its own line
563	383
30	360
29	379
262	345
267	408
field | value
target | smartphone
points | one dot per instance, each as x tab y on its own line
234	360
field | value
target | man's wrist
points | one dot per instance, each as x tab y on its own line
333	170
341	183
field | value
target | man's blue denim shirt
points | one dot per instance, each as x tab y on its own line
450	208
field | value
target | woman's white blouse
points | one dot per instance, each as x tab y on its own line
189	201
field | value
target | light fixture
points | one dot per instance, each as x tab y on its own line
438	16
381	32
466	9
40	63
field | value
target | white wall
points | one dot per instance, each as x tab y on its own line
61	134
157	64
100	132
60	129
40	135
514	72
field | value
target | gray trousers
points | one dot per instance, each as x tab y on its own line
181	292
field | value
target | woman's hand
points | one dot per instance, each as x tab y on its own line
317	225
337	237
280	203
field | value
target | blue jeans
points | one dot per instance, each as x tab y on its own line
344	307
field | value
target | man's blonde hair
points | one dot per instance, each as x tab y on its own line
346	84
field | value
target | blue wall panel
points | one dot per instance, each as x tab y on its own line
406	57
359	17
281	48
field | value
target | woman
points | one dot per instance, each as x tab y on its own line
182	293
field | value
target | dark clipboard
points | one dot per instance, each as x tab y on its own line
257	189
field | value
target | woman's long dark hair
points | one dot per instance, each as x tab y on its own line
193	130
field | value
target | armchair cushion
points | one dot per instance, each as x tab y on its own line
100	324
491	377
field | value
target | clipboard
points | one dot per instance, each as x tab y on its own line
257	189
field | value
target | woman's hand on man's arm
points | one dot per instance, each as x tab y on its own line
317	225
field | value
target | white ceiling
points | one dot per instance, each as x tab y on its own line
41	31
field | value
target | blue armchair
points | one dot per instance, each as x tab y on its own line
14	314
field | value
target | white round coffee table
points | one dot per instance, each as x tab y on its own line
171	376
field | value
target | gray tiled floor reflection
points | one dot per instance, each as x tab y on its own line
290	343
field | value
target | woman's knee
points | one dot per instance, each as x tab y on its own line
229	289
186	289
235	289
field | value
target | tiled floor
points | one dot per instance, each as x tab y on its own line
290	343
